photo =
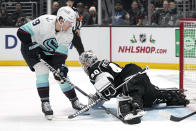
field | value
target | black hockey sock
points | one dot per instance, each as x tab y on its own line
43	92
71	94
46	99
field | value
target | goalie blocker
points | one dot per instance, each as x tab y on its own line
135	95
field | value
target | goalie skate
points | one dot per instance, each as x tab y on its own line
128	110
131	116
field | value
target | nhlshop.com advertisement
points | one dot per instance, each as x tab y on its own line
155	45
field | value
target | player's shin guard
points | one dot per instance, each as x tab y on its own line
43	92
42	85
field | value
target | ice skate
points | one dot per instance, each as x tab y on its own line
47	110
77	105
128	110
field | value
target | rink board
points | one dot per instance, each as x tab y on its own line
132	44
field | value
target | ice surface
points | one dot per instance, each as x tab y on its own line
20	107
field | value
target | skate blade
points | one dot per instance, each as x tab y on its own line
49	117
131	116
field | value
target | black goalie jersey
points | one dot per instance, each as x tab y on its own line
103	66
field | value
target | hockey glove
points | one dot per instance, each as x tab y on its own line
105	89
34	52
61	72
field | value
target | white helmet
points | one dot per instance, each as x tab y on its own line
68	14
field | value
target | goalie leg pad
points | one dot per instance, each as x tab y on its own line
173	97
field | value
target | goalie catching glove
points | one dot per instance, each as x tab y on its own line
105	89
61	72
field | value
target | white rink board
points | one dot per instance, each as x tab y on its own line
98	39
9	44
94	38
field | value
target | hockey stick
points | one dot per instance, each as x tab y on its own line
84	109
175	118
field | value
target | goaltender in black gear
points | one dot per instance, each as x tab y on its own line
135	95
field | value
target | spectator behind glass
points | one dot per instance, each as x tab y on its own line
136	15
120	16
82	13
4	17
158	3
93	16
86	9
163	15
175	15
152	13
69	3
55	7
143	4
16	16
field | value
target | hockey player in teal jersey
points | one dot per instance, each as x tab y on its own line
48	37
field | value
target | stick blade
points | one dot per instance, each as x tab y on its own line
176	119
71	116
168	116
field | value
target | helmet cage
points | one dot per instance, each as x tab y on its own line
87	59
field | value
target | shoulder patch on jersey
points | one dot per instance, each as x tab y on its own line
105	63
48	19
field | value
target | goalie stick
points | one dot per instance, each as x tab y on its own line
175	118
132	76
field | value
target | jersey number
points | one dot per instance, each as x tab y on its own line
95	72
37	21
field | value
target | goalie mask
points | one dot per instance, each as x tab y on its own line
87	59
